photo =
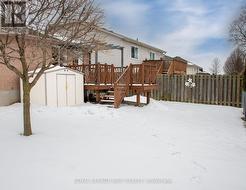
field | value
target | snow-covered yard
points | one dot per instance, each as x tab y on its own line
188	146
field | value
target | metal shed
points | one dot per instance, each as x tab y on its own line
59	86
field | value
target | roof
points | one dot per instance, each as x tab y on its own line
194	65
127	39
180	59
168	58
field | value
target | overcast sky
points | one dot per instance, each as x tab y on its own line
196	30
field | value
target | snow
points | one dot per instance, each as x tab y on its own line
190	146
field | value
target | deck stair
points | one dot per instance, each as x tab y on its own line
107	98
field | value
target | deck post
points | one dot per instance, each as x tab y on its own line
131	78
122	58
142	75
106	73
138	99
112	74
96	57
97	96
148	97
96	74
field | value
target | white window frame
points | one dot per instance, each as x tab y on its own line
134	52
13	13
152	56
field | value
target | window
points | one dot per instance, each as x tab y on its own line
13	13
152	56
75	61
134	52
55	55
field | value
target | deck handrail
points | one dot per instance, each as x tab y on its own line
99	73
121	86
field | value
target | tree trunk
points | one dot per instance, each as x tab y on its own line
26	109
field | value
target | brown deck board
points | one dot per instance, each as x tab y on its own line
97	87
139	88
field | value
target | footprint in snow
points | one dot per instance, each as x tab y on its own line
199	166
196	179
170	144
88	112
156	136
176	153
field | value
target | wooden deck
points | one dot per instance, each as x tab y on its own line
134	79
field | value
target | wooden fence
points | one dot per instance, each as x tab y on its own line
209	89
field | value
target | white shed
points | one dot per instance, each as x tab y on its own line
59	86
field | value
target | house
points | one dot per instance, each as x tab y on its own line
111	48
175	65
12	22
193	69
9	81
120	50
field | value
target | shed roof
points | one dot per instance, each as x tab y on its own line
57	68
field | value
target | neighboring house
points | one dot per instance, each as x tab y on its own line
171	65
178	65
121	50
9	81
193	69
13	20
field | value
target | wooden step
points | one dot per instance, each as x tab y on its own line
110	92
107	101
108	96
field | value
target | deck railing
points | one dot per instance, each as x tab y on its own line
99	73
145	73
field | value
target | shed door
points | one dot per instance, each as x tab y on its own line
66	90
61	90
71	90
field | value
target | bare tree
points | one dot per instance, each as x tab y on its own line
235	62
244	80
238	30
33	29
215	68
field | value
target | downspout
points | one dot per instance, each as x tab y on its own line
96	57
122	58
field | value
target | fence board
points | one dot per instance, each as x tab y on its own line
201	90
238	92
225	90
229	91
212	90
221	90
